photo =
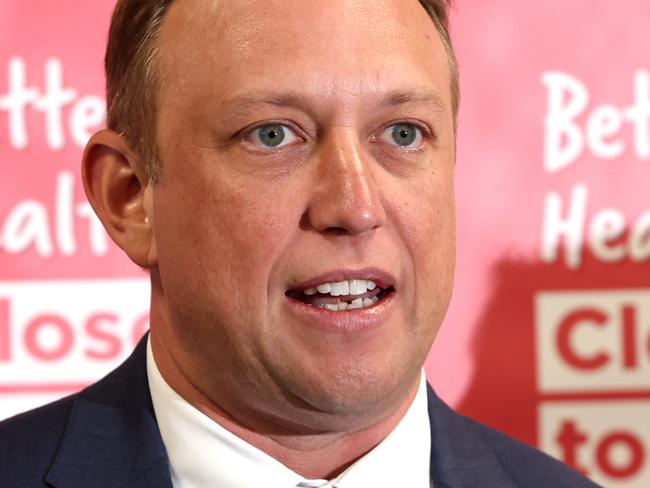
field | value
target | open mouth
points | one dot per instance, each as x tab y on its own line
342	295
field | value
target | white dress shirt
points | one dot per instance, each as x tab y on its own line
202	454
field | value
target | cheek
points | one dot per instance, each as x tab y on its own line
426	217
225	237
428	231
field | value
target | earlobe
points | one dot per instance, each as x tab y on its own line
121	195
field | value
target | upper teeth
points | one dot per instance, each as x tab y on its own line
343	288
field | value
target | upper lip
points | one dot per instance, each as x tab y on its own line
382	278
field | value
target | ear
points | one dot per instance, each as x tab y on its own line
121	195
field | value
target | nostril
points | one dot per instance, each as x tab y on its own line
336	231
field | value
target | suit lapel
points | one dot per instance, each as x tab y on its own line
112	439
460	457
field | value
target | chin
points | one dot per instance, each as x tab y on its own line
358	390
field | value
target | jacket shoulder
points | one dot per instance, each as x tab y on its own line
29	442
106	435
466	453
526	465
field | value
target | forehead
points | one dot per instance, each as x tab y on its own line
338	47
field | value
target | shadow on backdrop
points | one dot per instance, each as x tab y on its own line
503	392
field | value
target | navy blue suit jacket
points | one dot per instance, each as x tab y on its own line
106	437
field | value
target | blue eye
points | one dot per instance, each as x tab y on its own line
403	135
272	136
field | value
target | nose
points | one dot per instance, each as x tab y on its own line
345	198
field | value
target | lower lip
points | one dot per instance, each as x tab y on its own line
358	319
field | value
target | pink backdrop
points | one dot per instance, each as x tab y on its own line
548	333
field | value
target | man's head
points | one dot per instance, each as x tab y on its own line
302	144
132	75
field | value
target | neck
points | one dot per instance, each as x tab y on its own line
311	453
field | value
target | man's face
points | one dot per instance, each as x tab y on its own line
303	144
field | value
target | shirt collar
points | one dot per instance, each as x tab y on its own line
203	454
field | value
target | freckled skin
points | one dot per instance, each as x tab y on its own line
236	224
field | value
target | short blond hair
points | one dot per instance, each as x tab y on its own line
132	82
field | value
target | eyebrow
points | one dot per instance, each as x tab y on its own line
417	97
303	102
